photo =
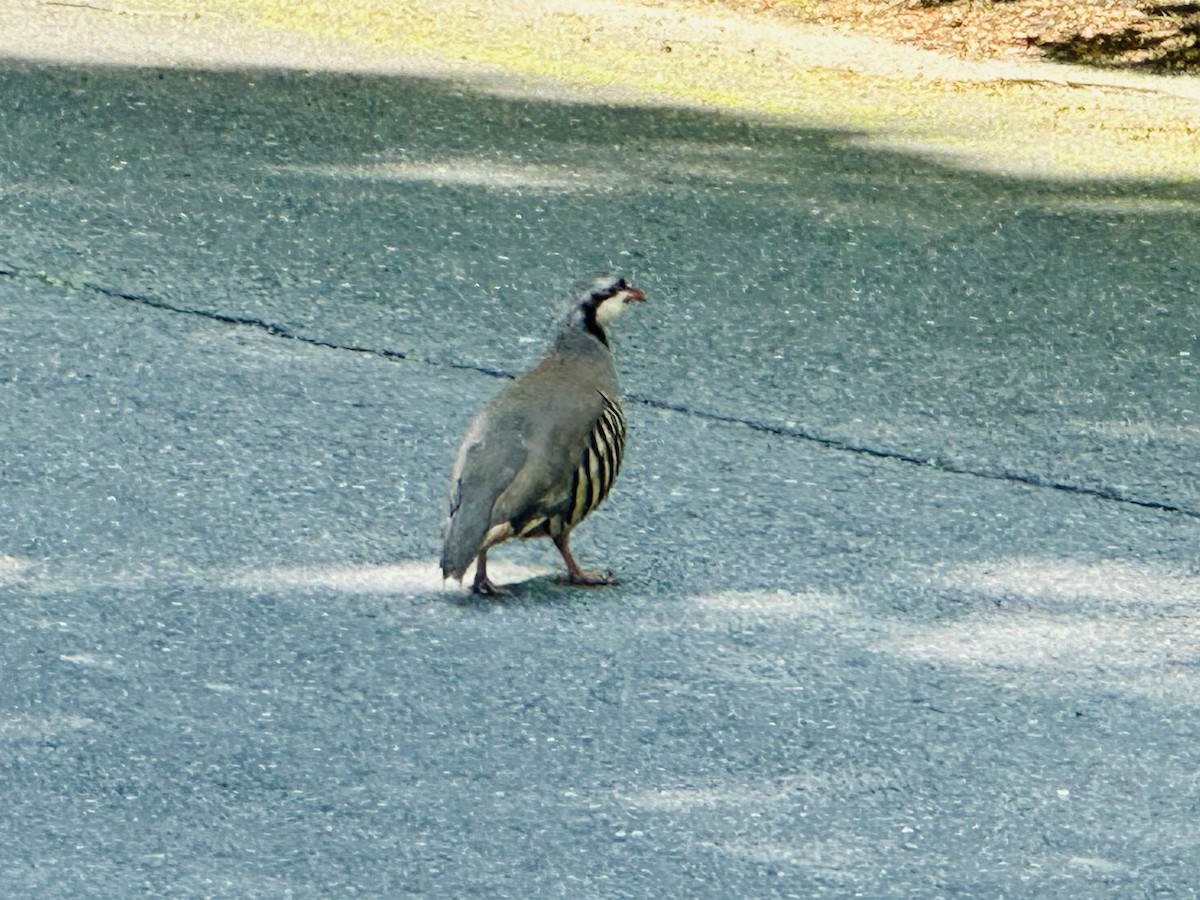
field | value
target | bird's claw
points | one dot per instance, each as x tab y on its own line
582	578
485	587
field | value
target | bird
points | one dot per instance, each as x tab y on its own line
545	451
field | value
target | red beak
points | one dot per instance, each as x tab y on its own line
635	294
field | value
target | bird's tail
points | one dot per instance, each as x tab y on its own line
464	539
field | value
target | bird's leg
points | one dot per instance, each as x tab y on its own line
482	584
576	575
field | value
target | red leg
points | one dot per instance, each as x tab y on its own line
576	575
482	584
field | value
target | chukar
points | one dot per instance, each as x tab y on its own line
545	451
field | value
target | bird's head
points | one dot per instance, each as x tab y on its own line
599	301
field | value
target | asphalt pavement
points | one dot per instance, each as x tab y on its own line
908	529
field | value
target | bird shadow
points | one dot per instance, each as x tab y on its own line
547	590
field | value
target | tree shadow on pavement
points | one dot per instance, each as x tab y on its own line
907	525
1163	41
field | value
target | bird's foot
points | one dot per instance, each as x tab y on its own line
576	575
584	578
487	588
484	585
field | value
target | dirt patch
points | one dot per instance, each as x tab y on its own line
1127	34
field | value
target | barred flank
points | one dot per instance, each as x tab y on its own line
599	463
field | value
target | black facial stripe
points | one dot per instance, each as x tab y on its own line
593	326
592	304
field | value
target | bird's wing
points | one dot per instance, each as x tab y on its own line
554	433
487	462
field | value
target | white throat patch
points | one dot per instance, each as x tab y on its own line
609	309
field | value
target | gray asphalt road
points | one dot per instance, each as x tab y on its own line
909	525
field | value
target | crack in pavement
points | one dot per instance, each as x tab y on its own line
270	328
793	433
929	462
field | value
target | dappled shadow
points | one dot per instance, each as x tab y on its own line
1127	627
221	612
416	581
806	271
1164	41
980	717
